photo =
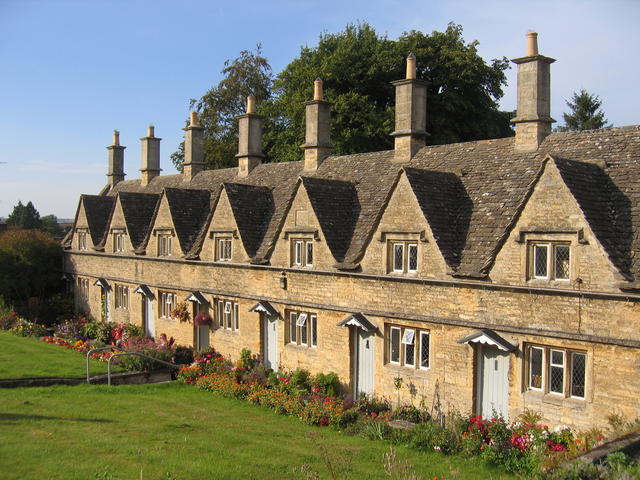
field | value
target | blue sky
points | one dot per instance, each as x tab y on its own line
72	71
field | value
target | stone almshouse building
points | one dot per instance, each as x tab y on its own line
497	274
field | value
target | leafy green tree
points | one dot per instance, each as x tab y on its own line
585	113
248	74
29	264
49	224
24	216
357	66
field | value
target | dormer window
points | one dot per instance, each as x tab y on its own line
165	244
118	242
301	252
223	249
550	260
403	256
82	240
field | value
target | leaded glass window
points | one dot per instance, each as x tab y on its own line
536	355
394	345
578	370
562	262
424	349
540	261
556	372
398	257
413	257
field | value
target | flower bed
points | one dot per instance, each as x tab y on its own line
525	447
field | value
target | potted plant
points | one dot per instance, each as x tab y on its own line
181	312
202	319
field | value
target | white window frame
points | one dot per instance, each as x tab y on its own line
409	338
297	253
556	246
84	288
168	302
82	240
224	249
122	297
118	242
405	247
302	329
535	248
412	246
399	347
557	365
165	244
394	268
308	253
542	369
425	334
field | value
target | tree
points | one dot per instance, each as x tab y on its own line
585	113
49	224
357	66
248	74
24	216
29	264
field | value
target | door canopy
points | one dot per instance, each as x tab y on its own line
358	320
489	337
101	282
144	290
265	307
198	298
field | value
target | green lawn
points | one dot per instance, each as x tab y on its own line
174	431
22	357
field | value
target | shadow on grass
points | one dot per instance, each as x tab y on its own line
6	418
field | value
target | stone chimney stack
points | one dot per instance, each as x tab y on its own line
317	140
150	158
115	172
193	148
250	139
411	114
533	118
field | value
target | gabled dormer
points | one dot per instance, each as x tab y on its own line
418	234
319	224
92	219
177	222
570	233
238	223
130	221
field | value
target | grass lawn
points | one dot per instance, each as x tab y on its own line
173	431
26	357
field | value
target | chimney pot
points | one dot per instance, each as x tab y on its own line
532	44
193	119
411	67
193	148
317	89
251	104
150	131
115	168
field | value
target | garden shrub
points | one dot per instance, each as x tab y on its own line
247	360
183	355
100	331
301	379
427	436
329	383
6	310
348	418
410	413
69	330
25	328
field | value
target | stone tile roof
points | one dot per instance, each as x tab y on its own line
252	208
138	210
335	204
189	209
495	179
98	210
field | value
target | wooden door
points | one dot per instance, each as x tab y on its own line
493	382
270	341
364	365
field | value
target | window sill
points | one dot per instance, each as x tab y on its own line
555	399
298	346
405	368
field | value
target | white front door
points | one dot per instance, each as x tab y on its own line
363	349
493	382
270	343
202	337
149	323
107	302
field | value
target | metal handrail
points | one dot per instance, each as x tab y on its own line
171	365
98	349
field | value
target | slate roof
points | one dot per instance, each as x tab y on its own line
138	210
335	204
189	208
252	208
98	210
492	182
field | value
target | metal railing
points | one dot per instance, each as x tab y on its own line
122	353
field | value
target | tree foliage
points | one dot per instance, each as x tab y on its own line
24	216
248	74
585	113
29	264
357	66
